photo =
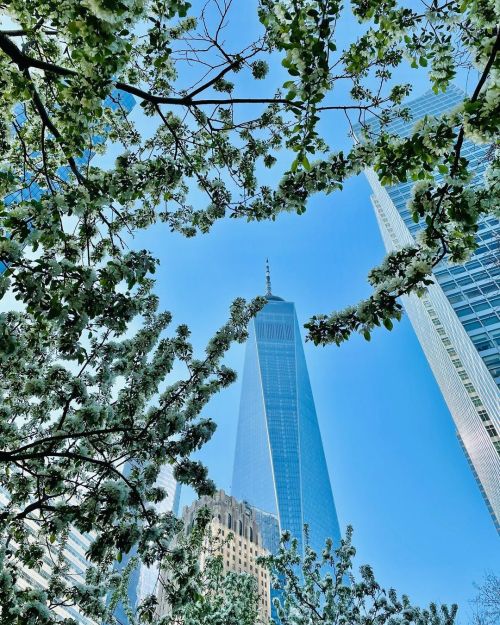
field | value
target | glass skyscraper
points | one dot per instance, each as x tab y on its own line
280	466
143	580
78	544
457	321
148	575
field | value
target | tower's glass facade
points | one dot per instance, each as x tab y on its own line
148	575
458	319
280	465
143	580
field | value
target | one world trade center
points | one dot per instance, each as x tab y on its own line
280	466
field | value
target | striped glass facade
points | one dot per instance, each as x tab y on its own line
458	319
280	465
38	577
148	575
143	580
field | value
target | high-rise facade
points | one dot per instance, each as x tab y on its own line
236	538
148	575
29	189
457	321
280	466
77	544
143	580
73	558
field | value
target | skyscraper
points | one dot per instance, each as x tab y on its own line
148	575
234	535
77	544
73	557
457	321
143	579
29	189
280	466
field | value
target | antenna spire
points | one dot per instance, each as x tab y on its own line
268	278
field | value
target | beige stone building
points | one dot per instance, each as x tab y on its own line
239	554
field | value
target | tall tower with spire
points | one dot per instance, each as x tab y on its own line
268	278
280	466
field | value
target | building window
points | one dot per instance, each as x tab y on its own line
483	414
240	528
472	325
491	430
251	536
482	342
229	521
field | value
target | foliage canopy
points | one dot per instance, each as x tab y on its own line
321	588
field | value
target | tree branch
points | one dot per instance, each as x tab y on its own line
23	61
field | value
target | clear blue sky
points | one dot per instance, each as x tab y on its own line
397	470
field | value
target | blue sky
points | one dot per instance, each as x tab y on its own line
397	470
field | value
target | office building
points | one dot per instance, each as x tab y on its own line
143	580
73	558
77	543
279	465
457	321
30	187
236	538
148	575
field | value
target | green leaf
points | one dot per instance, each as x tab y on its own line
367	335
388	324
